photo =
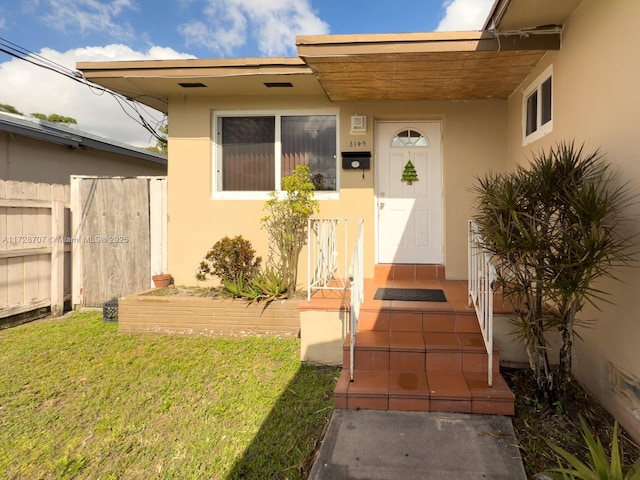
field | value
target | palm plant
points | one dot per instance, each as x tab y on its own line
553	230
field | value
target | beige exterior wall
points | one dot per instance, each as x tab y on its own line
474	141
596	101
30	160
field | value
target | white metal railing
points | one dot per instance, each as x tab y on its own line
325	238
356	279
326	270
482	277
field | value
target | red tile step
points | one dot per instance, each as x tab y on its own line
415	390
414	356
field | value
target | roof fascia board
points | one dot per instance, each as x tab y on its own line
440	42
196	63
530	39
192	68
495	14
77	140
124	150
388	37
40	133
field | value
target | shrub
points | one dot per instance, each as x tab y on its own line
232	260
286	222
554	229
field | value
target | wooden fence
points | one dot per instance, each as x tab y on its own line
84	243
121	223
35	258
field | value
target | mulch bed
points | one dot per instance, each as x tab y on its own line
536	421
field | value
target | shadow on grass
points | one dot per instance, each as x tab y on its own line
285	446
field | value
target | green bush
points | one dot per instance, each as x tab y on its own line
286	222
555	229
232	260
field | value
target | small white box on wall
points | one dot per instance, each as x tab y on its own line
358	124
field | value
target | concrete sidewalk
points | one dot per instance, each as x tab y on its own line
385	445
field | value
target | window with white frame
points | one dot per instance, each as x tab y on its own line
537	108
255	150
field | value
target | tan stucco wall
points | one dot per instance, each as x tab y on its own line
322	335
596	101
30	160
474	142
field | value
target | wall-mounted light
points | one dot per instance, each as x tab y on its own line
358	124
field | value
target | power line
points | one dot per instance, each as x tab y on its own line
123	101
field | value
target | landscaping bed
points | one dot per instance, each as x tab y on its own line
204	311
536	422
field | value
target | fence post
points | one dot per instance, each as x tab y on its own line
77	219
57	257
157	226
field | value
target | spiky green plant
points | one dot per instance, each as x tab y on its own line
554	229
240	288
269	285
599	465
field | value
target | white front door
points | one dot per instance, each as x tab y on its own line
410	219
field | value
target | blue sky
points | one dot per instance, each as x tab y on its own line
67	31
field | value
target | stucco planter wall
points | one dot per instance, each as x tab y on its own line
322	335
145	313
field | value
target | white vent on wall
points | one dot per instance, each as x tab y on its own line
626	387
358	124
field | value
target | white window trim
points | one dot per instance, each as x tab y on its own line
218	194
547	128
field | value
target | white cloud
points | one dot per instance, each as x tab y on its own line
463	15
273	24
86	16
33	89
229	33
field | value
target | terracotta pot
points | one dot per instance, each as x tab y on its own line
162	280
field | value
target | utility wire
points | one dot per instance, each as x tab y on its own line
22	53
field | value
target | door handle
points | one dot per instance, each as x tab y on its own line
381	205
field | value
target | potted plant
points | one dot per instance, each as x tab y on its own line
161	280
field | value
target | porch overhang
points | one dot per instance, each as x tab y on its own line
425	66
379	67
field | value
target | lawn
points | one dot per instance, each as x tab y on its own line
80	400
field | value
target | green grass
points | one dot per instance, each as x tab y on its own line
79	400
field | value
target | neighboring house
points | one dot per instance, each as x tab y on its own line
35	150
457	104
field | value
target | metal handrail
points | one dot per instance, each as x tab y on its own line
481	280
323	265
356	280
324	271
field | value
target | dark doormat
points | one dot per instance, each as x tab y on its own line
410	294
